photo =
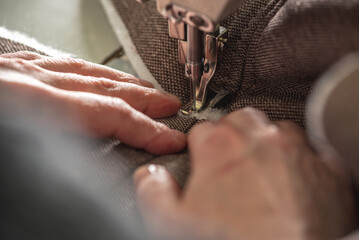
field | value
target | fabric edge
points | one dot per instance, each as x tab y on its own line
124	37
31	42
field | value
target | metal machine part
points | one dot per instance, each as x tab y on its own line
200	38
199	54
203	14
213	42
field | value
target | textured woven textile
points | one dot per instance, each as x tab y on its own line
44	191
9	46
111	164
276	49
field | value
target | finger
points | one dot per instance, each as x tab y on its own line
293	131
107	116
24	55
150	101
20	65
315	162
94	114
156	188
78	66
157	196
215	147
74	66
298	137
247	120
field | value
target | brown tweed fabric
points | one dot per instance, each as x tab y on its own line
276	49
8	46
110	164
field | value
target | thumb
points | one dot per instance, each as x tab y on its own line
157	196
156	188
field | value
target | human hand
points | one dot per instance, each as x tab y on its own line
251	179
99	100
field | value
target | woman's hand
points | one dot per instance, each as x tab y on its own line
251	179
94	98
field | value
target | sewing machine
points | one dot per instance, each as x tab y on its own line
195	23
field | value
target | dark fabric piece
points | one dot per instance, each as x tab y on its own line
110	164
8	46
42	195
276	49
302	40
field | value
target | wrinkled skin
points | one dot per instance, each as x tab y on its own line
251	179
90	98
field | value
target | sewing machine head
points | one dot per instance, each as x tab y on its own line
195	23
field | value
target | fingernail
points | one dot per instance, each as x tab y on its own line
143	172
140	174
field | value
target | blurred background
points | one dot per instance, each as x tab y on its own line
79	27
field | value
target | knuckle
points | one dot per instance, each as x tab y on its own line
273	134
146	93
4	62
113	109
198	131
19	54
249	110
47	62
104	83
76	63
247	113
254	113
132	80
279	139
224	131
124	110
223	136
21	62
18	64
24	65
27	54
115	102
144	98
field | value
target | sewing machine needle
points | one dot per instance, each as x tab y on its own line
194	93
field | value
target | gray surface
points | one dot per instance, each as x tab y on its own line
79	27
